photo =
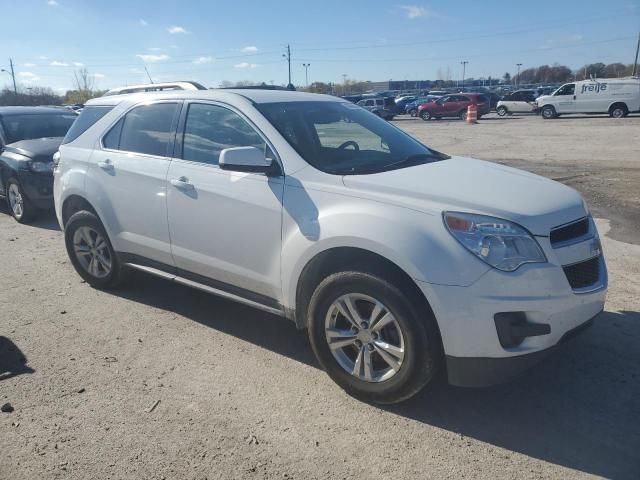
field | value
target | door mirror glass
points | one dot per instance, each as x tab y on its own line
245	159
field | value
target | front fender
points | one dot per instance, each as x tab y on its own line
418	243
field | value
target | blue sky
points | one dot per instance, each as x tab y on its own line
216	40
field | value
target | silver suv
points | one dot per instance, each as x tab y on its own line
400	261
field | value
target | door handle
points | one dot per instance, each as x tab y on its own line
106	165
182	183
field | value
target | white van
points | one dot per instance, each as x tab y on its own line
616	96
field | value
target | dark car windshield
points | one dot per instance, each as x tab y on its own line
344	139
30	126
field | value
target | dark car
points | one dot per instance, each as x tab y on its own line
454	105
29	136
384	107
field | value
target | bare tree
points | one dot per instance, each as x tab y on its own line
84	81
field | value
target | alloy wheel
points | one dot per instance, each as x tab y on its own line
92	252
364	337
15	200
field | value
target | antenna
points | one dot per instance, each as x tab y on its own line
148	75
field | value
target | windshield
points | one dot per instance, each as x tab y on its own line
30	126
344	139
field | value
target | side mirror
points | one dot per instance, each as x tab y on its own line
246	159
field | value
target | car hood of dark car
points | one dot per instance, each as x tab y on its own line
38	149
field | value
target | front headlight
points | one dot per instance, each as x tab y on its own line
500	243
40	167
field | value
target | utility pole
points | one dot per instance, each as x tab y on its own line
306	73
288	57
518	76
148	75
635	63
344	83
464	68
13	76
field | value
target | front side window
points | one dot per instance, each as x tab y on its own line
209	129
568	89
342	139
145	129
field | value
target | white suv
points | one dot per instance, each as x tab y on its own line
400	261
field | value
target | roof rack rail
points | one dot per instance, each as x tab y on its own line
156	87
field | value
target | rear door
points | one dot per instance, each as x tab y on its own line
225	226
128	172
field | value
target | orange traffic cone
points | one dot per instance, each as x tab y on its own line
472	114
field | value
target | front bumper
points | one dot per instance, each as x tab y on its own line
38	187
483	371
540	292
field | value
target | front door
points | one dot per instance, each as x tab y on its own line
129	171
565	98
225	226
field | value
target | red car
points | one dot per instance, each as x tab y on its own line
454	105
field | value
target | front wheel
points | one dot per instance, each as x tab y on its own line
371	338
548	112
425	115
19	205
91	252
502	111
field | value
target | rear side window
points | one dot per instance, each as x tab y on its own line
482	99
87	118
146	129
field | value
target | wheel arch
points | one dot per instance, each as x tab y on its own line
75	203
618	103
345	258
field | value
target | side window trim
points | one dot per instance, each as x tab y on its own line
174	122
182	123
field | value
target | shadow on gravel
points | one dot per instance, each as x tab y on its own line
45	219
12	360
579	409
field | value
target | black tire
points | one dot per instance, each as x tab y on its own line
116	273
20	207
422	351
502	111
413	113
462	115
548	112
425	115
619	110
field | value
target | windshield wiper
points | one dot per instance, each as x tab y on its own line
410	161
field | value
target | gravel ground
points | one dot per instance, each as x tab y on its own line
159	381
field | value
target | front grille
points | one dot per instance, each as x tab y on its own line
570	231
583	274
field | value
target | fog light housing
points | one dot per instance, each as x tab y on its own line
513	328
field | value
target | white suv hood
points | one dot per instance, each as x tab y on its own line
469	185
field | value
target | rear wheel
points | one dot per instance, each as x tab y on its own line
370	337
19	205
618	111
462	115
548	112
413	112
91	252
502	111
